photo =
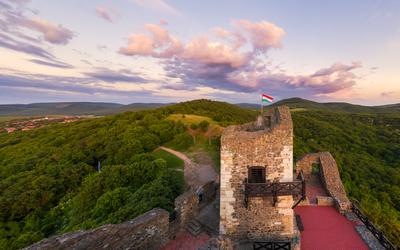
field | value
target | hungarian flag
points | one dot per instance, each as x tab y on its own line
266	98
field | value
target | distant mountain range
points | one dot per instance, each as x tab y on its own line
72	108
99	108
329	106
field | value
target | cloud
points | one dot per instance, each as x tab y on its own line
19	46
387	94
4	5
55	64
157	5
13	20
20	2
107	75
163	22
88	85
235	61
204	51
158	44
52	33
263	35
33	50
50	83
108	14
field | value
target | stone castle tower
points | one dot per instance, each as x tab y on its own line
257	180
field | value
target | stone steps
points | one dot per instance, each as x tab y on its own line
194	227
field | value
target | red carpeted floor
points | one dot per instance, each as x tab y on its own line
327	229
185	241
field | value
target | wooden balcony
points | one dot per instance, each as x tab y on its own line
275	189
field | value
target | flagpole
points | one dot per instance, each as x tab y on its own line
261	105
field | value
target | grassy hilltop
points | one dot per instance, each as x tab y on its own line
49	182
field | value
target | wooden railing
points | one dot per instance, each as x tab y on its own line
271	246
275	189
373	229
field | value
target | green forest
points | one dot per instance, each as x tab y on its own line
49	178
50	183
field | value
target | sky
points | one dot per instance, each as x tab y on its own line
128	51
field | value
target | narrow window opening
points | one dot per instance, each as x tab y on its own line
256	175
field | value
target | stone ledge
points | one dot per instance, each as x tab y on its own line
325	201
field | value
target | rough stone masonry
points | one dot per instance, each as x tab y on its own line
266	143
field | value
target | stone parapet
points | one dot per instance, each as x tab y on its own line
147	231
330	177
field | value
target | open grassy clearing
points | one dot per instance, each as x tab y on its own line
191	119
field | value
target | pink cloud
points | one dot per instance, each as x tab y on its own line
52	33
163	22
158	44
337	68
236	60
263	35
204	51
235	38
108	14
138	45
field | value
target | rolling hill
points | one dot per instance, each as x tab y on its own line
98	108
337	106
72	108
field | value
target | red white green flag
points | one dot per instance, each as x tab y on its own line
266	98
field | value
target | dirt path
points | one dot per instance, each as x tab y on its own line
196	174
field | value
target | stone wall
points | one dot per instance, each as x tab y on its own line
305	164
330	177
267	143
147	231
209	191
186	207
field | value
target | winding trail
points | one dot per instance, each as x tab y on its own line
195	174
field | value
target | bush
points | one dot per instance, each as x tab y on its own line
204	125
194	126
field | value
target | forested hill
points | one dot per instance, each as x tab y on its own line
72	108
300	103
98	108
49	182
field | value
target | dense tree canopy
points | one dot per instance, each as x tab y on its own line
49	179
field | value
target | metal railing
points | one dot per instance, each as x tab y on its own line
373	229
271	245
275	189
